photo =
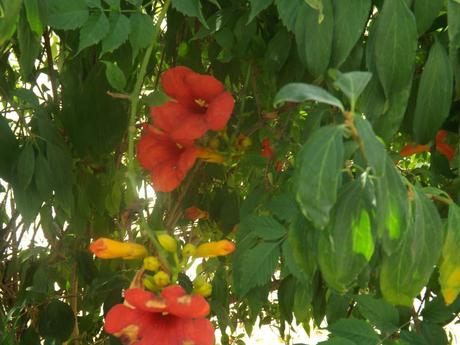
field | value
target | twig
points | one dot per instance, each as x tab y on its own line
49	59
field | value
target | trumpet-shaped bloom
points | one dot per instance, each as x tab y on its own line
212	249
194	213
410	150
167	160
199	103
173	318
442	147
106	248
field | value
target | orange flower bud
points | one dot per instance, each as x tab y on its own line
209	156
167	242
410	150
106	248
212	249
194	213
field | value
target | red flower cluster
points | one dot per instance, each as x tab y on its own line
267	150
442	147
199	103
173	318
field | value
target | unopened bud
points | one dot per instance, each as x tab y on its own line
189	250
151	263
167	242
161	279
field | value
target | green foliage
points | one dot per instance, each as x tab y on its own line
324	206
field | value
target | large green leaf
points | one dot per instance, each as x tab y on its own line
29	48
348	242
56	321
94	30
34	11
9	18
395	46
262	227
379	312
407	270
350	18
318	168
288	10
26	165
434	95
118	32
66	15
8	149
453	11
357	331
374	149
449	270
301	92
286	296
425	12
314	38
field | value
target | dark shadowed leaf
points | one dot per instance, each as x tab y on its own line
66	15
357	331
379	312
425	12
118	32
434	95
94	30
191	8
56	321
258	6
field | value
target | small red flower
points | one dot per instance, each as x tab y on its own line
194	213
410	150
167	160
174	318
267	150
199	103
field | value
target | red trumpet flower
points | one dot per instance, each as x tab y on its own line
173	318
167	160
199	104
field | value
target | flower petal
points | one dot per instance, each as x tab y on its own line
194	126
204	86
174	84
152	152
165	177
145	300
106	248
197	332
183	305
219	111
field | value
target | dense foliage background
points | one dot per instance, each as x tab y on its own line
324	211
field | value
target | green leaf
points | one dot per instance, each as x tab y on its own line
426	11
358	331
191	8
8	149
300	92
347	244
141	32
407	270
283	206
350	18
288	10
302	300
434	95
9	19
43	177
26	165
433	333
94	30
259	264
66	15
258	6
286	295
374	149
56	320
438	312
34	15
27	201
352	84
314	38
453	12
318	170
29	48
337	341
118	32
115	75
262	227
300	249
278	50
395	46
449	270
379	312
155	98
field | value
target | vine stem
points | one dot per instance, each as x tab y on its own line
134	96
